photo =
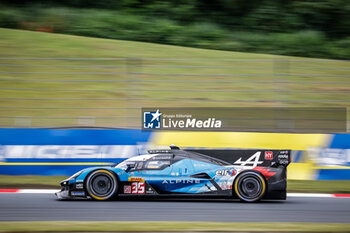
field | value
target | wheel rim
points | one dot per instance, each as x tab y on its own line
250	187
101	185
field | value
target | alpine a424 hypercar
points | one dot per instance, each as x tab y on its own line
249	175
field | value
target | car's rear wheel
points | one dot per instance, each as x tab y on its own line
250	186
102	185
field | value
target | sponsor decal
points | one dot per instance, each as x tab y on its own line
159	157
136	179
181	182
77	193
138	188
79	186
226	172
127	188
150	191
225	185
159	151
283	159
268	155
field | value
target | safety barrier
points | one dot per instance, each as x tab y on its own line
64	151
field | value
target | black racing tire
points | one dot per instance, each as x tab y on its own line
250	186
102	185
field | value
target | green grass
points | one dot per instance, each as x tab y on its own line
294	186
58	226
30	181
318	186
17	43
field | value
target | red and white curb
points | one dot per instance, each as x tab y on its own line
39	191
316	195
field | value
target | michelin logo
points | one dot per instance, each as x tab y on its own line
68	151
152	120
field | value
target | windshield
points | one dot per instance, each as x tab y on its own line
136	162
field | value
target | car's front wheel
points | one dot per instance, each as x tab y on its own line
250	186
102	185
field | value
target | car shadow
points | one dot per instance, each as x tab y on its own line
177	199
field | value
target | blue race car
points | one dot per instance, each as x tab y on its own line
246	175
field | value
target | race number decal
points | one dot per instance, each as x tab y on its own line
138	188
253	161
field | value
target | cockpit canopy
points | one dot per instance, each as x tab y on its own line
148	161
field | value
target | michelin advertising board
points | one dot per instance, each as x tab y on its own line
64	151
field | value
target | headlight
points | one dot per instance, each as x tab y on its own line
75	175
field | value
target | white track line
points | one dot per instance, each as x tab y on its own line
37	191
309	195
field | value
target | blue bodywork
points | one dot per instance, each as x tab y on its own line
178	172
175	178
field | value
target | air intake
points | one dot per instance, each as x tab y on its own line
173	147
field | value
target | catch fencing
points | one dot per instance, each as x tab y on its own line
110	92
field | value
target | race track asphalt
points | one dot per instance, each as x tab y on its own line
45	207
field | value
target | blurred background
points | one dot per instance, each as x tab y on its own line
94	64
52	80
315	28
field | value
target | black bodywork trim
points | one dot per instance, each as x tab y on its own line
277	185
202	175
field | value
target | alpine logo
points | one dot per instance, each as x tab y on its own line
253	161
181	181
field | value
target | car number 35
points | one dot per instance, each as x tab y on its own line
138	188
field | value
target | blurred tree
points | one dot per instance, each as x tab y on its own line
330	16
245	25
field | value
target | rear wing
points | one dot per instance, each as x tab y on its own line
253	158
